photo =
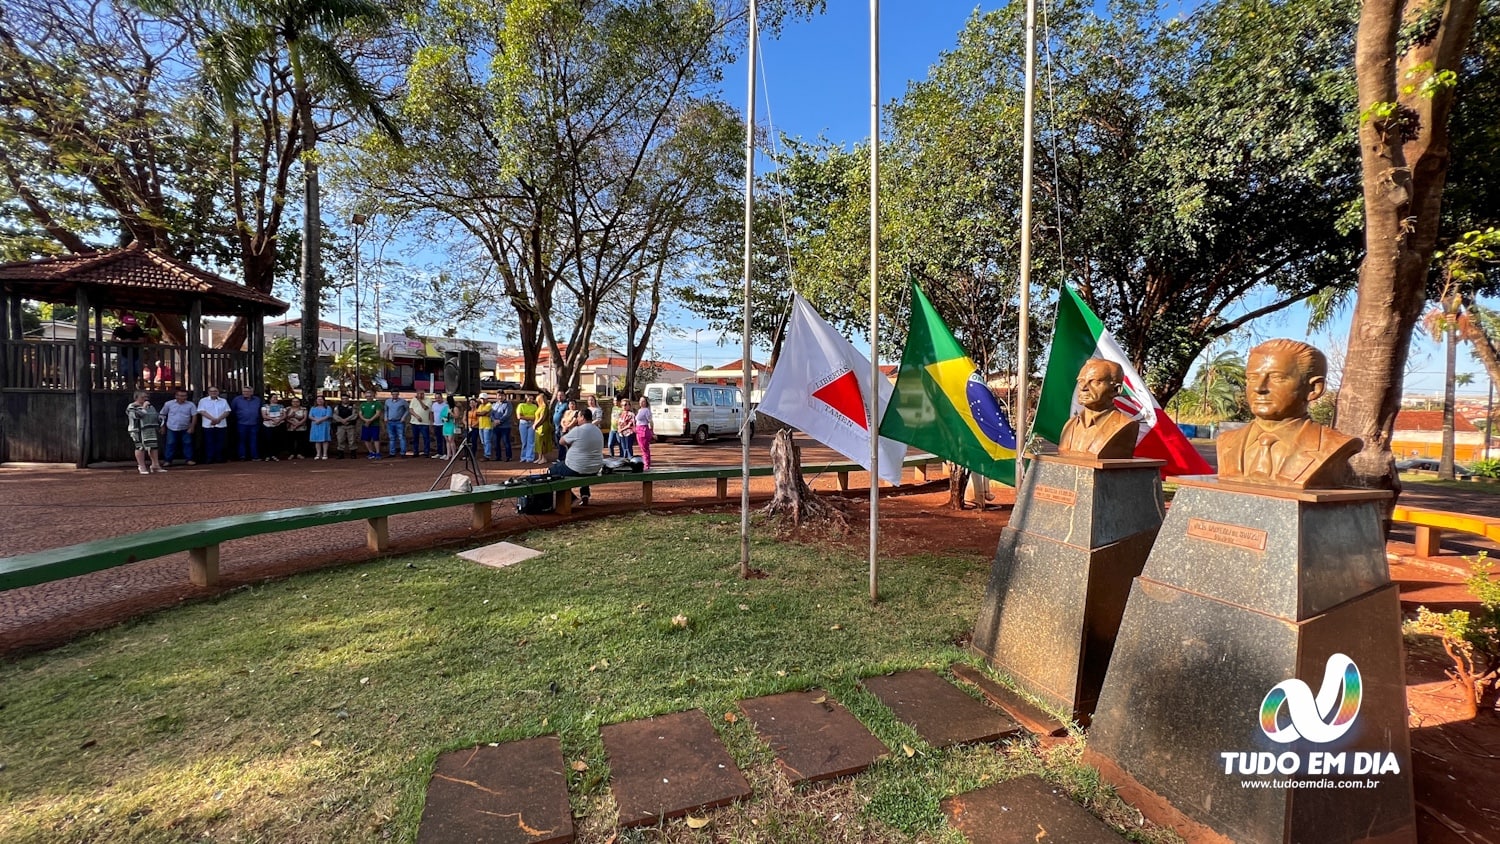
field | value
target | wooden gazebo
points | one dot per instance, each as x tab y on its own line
46	383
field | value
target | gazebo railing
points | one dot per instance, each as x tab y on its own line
53	365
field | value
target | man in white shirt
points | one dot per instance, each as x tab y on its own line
585	452
421	425
214	411
178	418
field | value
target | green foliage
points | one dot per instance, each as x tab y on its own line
283	355
1486	468
1471	640
357	365
1190	164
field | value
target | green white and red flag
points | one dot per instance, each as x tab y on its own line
1078	336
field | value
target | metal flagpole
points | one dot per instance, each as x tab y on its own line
1023	335
873	401
745	327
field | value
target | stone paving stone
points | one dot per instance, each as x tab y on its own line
667	766
1025	810
813	736
940	713
499	555
513	793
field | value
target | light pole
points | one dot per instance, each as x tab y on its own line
358	221
697	365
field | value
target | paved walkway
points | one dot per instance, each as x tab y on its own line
52	506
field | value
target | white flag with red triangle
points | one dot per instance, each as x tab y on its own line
820	387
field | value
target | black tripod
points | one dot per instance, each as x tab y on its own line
470	462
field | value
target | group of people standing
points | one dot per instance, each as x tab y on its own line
439	426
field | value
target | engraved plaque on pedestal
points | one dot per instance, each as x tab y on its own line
1081	530
1257	693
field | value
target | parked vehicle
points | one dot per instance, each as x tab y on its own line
1428	464
696	410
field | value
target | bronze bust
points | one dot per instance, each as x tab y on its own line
1099	429
1283	447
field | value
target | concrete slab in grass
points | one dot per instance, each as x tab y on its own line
814	737
513	793
1025	810
667	766
940	713
499	555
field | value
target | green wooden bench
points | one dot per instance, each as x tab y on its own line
201	540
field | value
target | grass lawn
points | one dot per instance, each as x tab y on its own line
311	709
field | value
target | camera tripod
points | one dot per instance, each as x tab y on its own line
466	453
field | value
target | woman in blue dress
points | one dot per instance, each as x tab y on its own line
319	415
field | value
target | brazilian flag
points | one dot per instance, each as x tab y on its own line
941	405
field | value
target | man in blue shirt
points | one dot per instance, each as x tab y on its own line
179	417
502	416
246	409
396	410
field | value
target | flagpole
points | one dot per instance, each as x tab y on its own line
1023	335
872	402
745	326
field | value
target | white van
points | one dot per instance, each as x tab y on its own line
696	410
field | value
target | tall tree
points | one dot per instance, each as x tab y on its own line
307	33
1200	171
1408	58
581	144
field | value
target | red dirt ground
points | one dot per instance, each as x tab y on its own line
1457	789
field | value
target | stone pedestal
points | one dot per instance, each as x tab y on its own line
1257	691
1081	531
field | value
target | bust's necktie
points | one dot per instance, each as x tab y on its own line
1262	463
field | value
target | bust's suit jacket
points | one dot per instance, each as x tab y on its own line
1320	457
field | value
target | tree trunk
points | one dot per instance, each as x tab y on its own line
1445	463
1404	162
793	498
958	481
312	232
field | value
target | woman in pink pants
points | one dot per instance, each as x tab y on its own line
644	433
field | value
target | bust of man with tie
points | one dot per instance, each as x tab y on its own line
1099	429
1283	446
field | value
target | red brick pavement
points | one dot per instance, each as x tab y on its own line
52	506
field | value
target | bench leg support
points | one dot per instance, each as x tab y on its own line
562	502
483	515
1428	541
646	493
203	565
843	481
378	534
723	487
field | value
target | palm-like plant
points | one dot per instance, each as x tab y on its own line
1220	387
305	35
358	364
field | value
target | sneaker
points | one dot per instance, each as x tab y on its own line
191	463
274	459
143	470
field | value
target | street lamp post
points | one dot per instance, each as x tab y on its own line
697	365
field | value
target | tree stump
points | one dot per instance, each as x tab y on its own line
958	481
793	498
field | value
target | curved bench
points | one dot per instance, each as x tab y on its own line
1430	525
201	539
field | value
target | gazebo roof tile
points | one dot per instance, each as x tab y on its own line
134	277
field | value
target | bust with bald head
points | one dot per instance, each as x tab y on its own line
1284	447
1099	429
